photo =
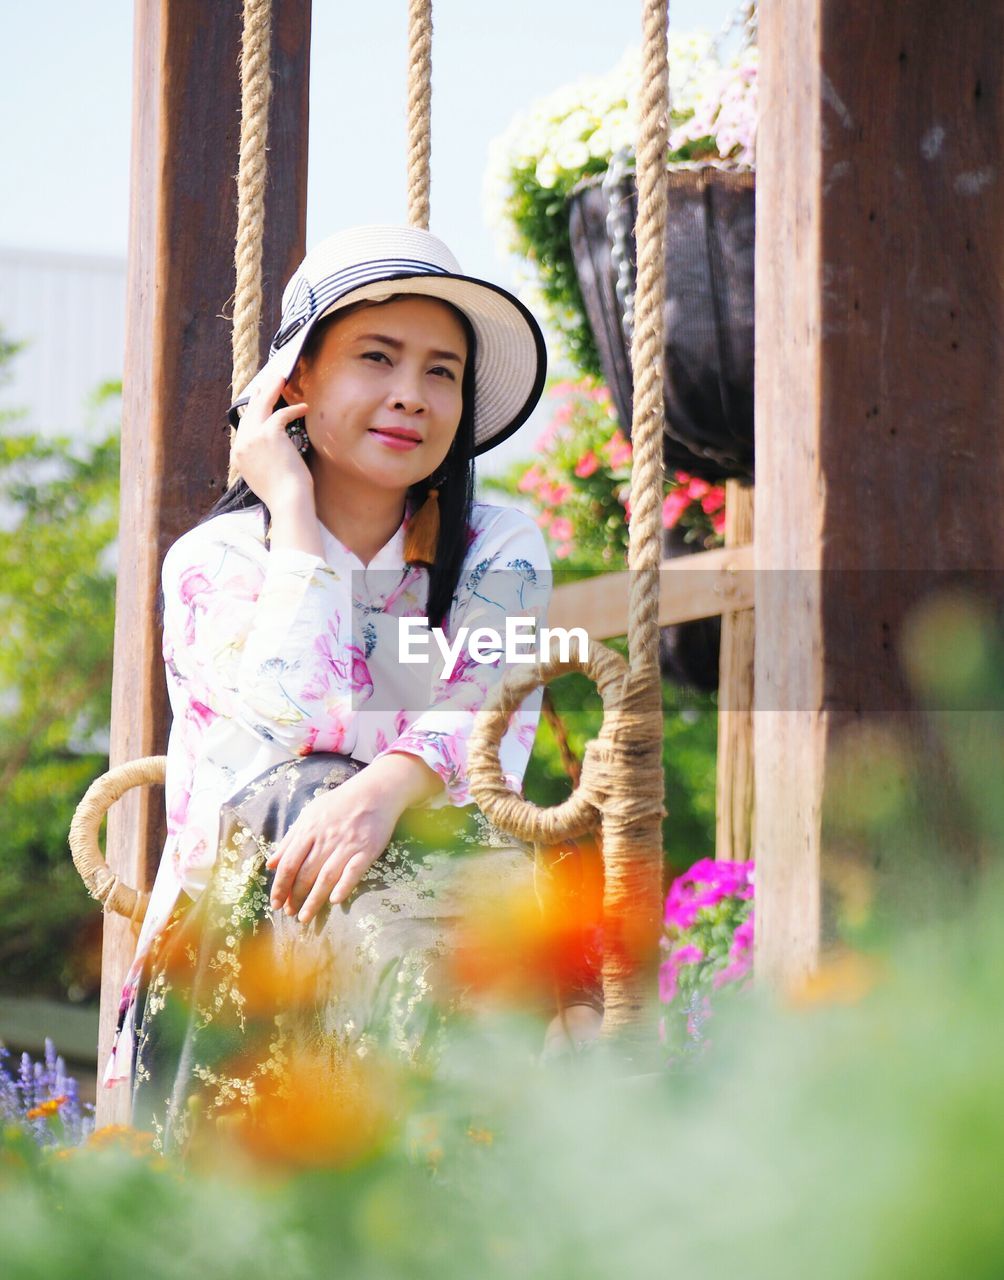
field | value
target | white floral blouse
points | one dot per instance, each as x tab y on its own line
277	654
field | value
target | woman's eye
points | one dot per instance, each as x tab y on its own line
376	355
442	369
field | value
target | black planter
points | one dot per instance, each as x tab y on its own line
708	380
689	651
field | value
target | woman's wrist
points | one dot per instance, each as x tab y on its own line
405	778
293	521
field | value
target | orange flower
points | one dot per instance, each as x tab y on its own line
329	1110
517	946
845	979
272	980
123	1137
47	1108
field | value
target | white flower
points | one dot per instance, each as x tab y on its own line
546	172
573	155
592	119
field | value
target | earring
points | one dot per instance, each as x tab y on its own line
422	538
297	432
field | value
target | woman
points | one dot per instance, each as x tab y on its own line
302	740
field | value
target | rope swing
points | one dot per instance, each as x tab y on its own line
621	783
622	776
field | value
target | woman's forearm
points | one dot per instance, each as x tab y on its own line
405	778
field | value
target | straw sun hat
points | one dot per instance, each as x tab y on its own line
376	262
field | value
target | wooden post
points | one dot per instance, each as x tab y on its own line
734	777
880	202
180	284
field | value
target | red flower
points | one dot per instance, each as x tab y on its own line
673	507
713	500
586	465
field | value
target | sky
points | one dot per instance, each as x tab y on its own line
67	168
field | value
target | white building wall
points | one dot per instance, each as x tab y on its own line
69	311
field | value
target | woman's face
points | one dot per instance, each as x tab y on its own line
383	391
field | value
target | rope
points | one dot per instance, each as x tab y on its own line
419	111
102	883
645	543
632	832
622	777
256	90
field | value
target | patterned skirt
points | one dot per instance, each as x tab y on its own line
233	991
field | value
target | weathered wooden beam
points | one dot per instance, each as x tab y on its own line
697	586
180	283
880	202
734	774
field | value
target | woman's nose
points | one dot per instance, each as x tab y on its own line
407	393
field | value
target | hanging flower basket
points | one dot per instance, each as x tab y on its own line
708	378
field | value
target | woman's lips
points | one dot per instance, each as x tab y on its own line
394	441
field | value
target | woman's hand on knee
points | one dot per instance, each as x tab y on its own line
330	847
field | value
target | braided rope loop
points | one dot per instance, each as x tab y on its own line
581	811
256	90
103	883
419	111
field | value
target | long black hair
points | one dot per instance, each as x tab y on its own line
454	478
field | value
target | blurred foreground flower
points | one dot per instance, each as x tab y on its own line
843	979
326	1109
541	942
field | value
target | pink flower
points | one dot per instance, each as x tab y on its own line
558	493
561	529
669	971
718	522
698	488
742	939
544	519
732	973
618	449
360	678
564	551
705	884
531	479
586	465
713	500
673	507
193	582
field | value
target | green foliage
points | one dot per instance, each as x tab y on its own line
852	1128
845	1139
59	500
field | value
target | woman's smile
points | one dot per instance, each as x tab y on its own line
396	437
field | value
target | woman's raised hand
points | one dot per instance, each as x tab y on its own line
266	457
